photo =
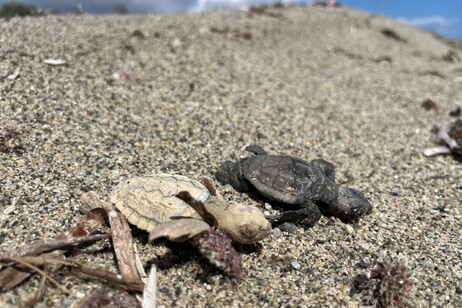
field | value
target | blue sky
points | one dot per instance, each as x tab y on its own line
441	16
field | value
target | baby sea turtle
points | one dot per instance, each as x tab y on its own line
151	203
302	189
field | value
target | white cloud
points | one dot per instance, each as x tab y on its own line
236	4
430	21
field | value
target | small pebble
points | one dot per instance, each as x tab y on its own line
262	282
362	264
349	229
9	209
295	264
12	223
288	227
277	232
268	206
365	246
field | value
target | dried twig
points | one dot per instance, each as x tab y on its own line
23	261
79	233
199	207
41	246
91	271
10	141
40	291
11	277
109	276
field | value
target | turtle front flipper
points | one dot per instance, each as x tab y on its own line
179	230
231	173
307	215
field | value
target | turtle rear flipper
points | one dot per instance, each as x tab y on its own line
307	216
255	149
325	167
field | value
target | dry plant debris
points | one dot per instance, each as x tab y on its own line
429	104
213	243
219	250
20	263
236	33
268	10
11	276
11	75
10	141
449	140
391	34
150	289
55	62
389	285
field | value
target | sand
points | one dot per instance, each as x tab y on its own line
191	92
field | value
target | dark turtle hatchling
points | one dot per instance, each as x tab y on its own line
302	189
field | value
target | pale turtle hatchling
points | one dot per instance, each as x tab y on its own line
303	190
151	204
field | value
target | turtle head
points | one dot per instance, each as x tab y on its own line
244	224
351	204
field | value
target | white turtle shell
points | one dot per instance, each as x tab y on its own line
148	201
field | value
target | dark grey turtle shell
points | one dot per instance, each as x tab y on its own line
284	179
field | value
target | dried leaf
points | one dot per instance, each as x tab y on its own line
150	289
10	277
27	264
179	230
89	224
89	201
123	246
121	236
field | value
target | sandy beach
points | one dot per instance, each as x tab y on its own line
182	93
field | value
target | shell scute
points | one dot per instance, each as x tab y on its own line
150	200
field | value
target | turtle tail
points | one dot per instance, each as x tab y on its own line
231	173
